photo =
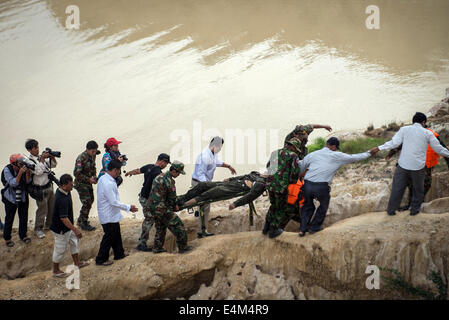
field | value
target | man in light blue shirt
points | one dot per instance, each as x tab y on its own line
321	167
415	140
205	165
109	213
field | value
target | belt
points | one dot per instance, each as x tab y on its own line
317	183
48	185
195	180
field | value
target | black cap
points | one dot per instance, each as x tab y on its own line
164	157
333	141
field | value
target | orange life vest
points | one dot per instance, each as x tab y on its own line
293	192
431	156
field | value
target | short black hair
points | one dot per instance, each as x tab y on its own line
91	145
419	118
215	141
31	143
114	164
65	178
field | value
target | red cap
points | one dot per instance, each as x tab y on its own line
14	158
112	142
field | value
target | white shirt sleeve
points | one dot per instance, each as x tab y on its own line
437	147
395	142
202	168
345	158
110	195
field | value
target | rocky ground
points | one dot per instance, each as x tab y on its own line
240	263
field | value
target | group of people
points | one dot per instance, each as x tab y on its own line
293	179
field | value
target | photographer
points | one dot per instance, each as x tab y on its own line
15	178
112	153
43	184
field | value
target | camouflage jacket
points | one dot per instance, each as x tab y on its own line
301	132
162	199
84	169
286	171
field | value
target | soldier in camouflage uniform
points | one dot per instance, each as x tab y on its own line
302	132
287	173
85	173
162	205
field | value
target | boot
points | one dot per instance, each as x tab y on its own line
86	226
186	249
159	250
274	232
266	228
143	247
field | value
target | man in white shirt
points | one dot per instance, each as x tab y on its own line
205	165
43	165
109	213
411	164
321	167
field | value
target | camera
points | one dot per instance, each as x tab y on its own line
124	157
52	178
56	154
28	165
98	152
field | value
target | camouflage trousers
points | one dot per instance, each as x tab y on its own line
292	212
277	213
147	223
86	194
174	224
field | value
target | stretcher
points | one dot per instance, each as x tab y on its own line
252	210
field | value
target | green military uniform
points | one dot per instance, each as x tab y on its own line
147	223
162	203
84	170
211	191
287	173
301	132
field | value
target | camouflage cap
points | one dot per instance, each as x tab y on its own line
178	166
296	142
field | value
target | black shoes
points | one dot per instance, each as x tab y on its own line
414	213
144	248
186	249
314	231
159	250
391	214
274	232
266	228
207	234
197	213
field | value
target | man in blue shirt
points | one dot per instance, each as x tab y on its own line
15	177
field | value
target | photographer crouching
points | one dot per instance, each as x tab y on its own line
41	188
15	178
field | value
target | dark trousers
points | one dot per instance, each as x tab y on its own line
11	209
401	179
112	238
312	190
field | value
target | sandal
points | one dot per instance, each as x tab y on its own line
9	244
83	264
27	240
61	275
106	263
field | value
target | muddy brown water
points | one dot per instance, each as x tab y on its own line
150	73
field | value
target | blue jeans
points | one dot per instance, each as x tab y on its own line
312	190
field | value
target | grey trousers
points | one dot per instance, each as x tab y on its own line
206	214
401	179
44	210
